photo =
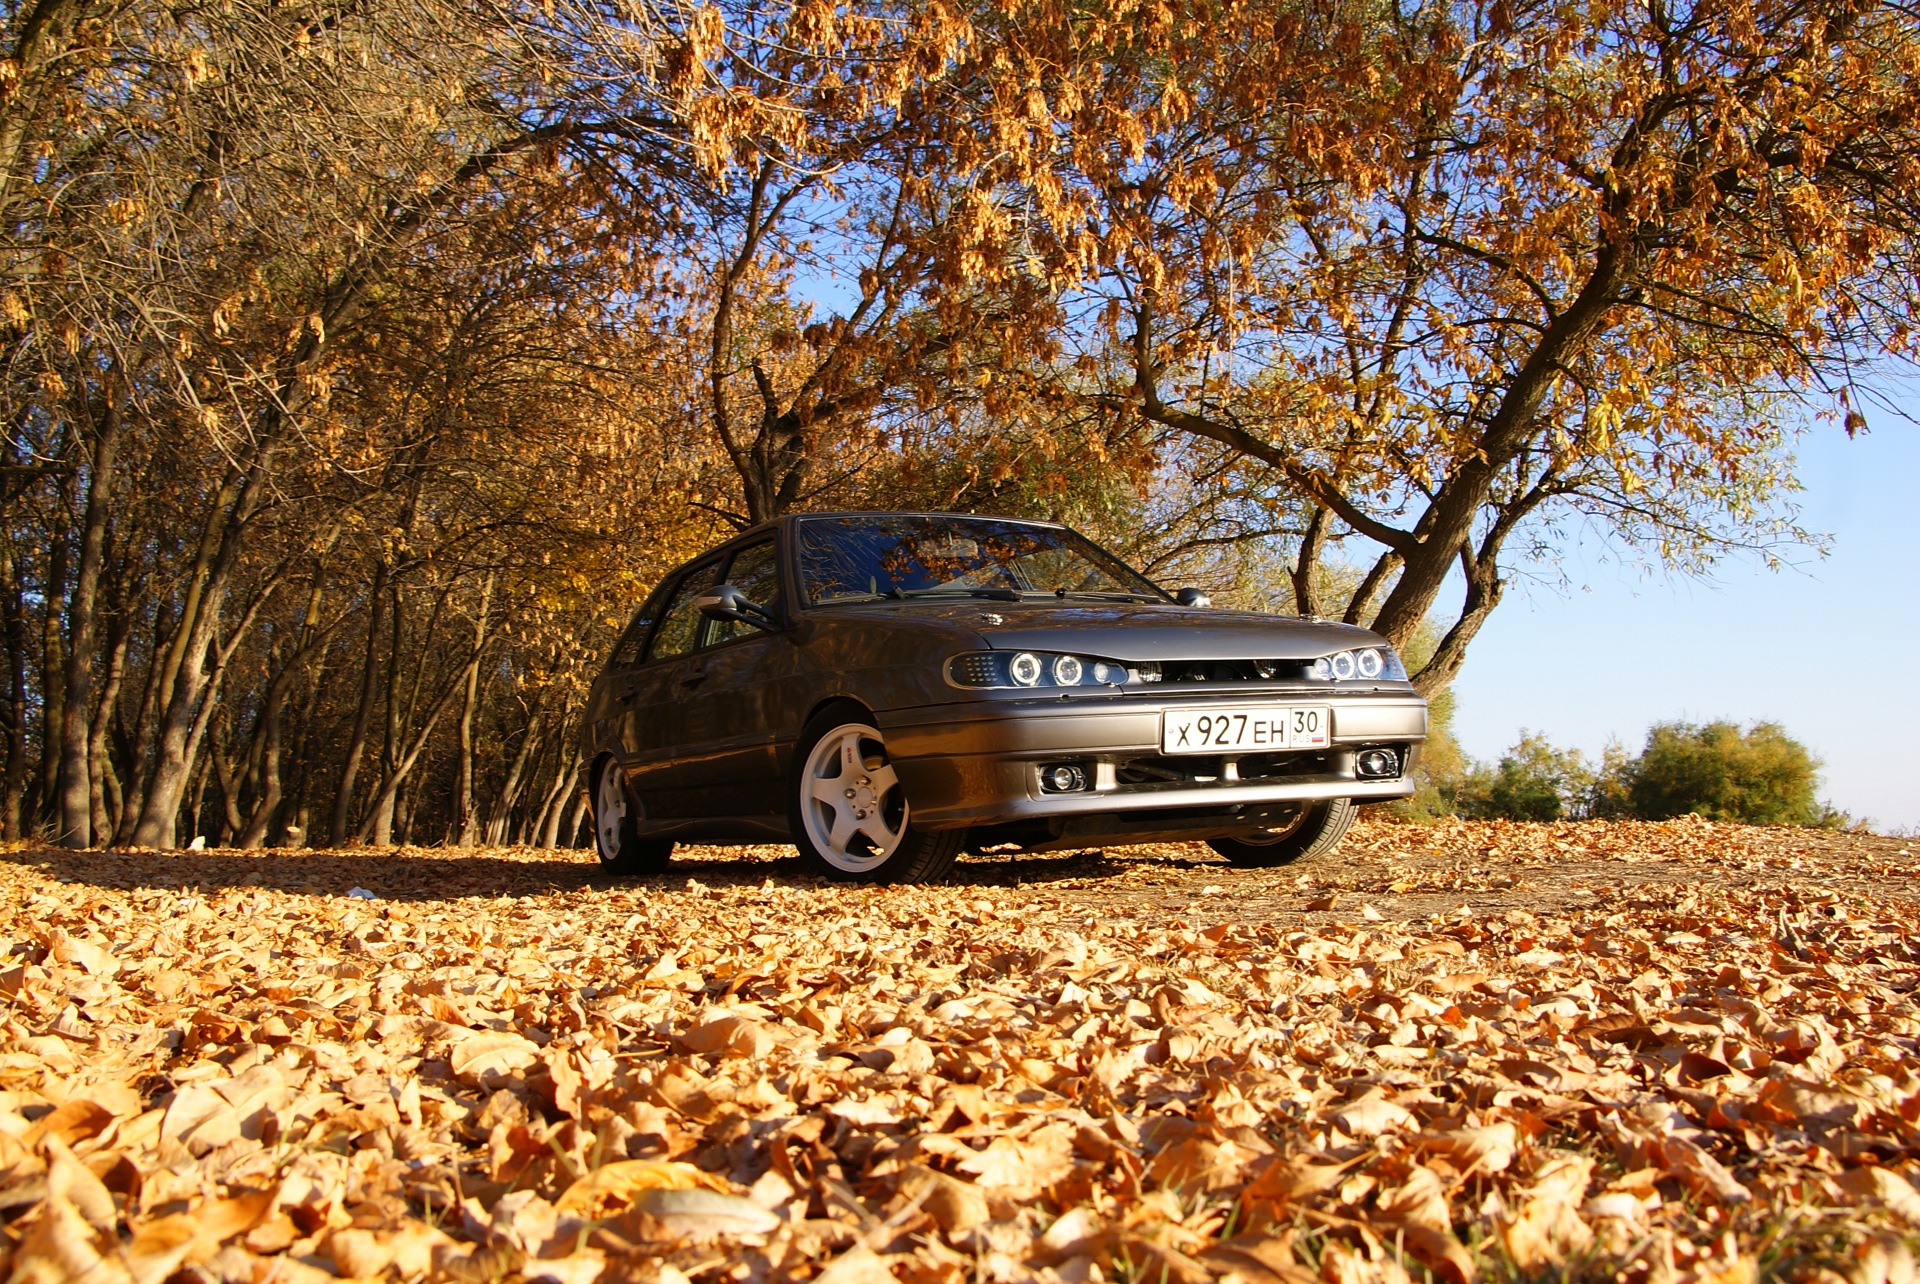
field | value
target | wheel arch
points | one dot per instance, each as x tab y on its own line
821	706
594	768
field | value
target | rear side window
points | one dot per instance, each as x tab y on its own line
626	652
679	630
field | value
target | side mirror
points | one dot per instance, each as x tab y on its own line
1192	597
726	602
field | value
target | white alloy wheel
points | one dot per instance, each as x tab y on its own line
610	811
851	802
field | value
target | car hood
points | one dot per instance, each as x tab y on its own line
1130	631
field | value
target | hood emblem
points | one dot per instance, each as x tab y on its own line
993	619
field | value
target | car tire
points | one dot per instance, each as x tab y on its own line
1318	830
851	818
620	848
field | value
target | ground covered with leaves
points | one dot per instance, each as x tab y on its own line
1677	1052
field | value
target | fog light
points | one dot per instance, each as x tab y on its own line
1377	764
1063	778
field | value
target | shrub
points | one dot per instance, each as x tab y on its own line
1532	781
1610	796
1761	776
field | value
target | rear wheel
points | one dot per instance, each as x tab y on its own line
1316	828
621	849
851	818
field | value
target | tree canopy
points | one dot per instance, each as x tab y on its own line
363	366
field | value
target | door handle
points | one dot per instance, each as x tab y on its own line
694	679
625	697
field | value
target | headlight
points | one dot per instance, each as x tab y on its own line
1003	669
1365	664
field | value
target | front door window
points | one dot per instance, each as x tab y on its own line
679	629
755	571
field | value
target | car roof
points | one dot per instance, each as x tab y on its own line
788	518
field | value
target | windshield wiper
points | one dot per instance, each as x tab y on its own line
1107	597
996	594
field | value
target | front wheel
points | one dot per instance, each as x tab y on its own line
621	849
1316	828
851	819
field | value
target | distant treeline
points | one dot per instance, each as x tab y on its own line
1756	776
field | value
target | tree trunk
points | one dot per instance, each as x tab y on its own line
511	786
104	786
469	816
258	824
1363	595
272	715
1448	523
363	715
574	818
139	738
226	778
548	827
184	719
1306	567
53	666
76	778
383	800
382	831
13	627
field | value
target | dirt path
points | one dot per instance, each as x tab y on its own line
1400	872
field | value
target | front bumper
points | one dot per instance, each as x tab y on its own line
978	764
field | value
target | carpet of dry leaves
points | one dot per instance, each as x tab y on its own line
1678	1053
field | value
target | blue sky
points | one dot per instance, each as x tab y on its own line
1826	649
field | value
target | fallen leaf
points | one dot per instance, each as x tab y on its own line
1548	1228
1882	1186
492	1054
1702	1172
616	1185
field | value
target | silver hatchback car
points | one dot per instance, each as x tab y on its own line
885	690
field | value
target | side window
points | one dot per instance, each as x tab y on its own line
626	652
680	621
755	571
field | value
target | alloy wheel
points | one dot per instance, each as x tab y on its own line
610	811
851	802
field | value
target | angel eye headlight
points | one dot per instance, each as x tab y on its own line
1067	670
1369	663
1320	670
1108	673
1024	669
1343	666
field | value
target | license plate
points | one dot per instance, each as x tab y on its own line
1244	730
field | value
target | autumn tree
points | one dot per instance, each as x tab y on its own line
206	213
1450	276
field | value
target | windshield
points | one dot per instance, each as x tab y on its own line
887	555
